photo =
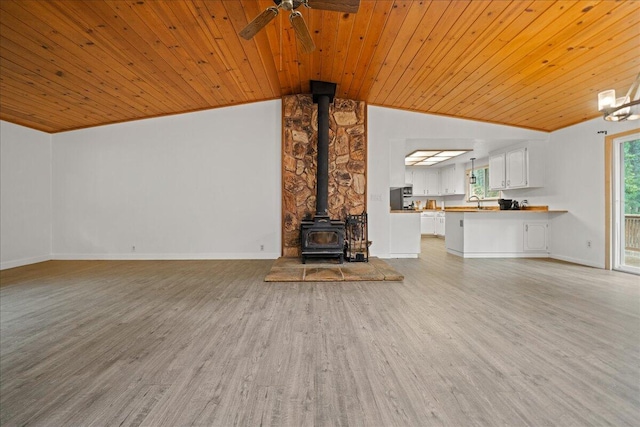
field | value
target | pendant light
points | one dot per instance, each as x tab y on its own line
472	178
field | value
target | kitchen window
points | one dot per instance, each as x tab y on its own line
481	187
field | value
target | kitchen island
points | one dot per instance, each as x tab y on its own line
491	233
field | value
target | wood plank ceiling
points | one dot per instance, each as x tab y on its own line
535	64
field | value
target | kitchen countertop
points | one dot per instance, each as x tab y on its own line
491	209
415	211
528	209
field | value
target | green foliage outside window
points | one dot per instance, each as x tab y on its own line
481	187
632	177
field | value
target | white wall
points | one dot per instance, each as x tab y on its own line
25	196
198	185
575	181
388	129
207	184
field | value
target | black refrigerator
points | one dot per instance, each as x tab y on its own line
396	199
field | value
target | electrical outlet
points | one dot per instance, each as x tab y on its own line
588	243
261	248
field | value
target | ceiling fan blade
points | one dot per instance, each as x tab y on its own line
258	23
302	32
348	6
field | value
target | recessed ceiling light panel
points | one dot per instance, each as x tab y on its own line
452	153
424	153
431	157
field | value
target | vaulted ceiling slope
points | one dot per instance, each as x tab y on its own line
68	64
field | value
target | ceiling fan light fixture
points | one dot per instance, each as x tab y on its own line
634	113
606	99
621	112
623	108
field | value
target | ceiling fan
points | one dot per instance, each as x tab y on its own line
297	22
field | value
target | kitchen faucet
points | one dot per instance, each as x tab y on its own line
477	198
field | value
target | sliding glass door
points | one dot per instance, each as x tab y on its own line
626	208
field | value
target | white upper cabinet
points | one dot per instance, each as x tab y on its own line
426	182
516	168
429	181
445	181
418	182
432	182
520	167
451	180
497	172
408	177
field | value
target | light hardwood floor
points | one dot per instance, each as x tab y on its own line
208	343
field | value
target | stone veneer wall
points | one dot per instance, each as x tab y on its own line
347	163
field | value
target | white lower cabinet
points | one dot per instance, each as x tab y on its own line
432	223
440	225
498	234
535	236
427	224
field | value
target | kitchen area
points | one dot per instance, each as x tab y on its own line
470	202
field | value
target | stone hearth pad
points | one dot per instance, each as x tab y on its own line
289	269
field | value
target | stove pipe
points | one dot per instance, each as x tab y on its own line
323	93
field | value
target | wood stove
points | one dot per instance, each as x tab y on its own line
322	237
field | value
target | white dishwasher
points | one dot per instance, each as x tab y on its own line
428	223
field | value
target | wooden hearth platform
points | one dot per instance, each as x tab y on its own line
293	270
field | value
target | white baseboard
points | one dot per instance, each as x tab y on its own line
164	257
499	254
412	255
381	255
577	261
454	252
24	261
